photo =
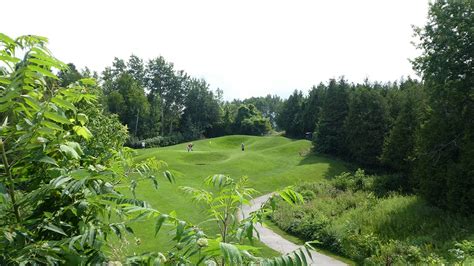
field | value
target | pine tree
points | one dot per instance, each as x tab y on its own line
399	146
330	135
366	125
312	107
291	116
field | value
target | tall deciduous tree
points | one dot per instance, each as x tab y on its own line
269	106
201	111
445	168
249	121
166	85
69	75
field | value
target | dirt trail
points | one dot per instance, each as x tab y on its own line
278	243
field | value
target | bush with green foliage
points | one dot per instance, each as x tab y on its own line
157	141
347	217
249	121
56	200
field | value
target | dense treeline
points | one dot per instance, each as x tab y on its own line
354	121
423	130
163	106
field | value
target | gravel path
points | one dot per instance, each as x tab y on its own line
278	243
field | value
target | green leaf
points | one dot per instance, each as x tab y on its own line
298	260
231	253
9	58
31	102
54	228
70	152
180	230
60	180
219	180
303	257
82	118
44	56
49	160
5	39
116	230
75	146
82	131
91	236
9	96
88	81
45	131
64	104
51	125
4	81
159	222
129	230
57	117
290	196
169	176
287	260
155	182
42	71
47	63
5	106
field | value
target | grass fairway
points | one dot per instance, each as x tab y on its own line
271	163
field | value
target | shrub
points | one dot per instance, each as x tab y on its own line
157	141
359	246
308	195
384	184
357	181
348	217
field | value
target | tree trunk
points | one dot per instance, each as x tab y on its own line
162	118
136	123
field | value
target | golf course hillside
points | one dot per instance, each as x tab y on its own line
271	163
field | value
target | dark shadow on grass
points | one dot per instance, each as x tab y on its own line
336	166
423	224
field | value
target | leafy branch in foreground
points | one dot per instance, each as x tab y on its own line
57	174
224	208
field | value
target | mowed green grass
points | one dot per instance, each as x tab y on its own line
271	163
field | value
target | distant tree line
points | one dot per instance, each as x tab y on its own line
163	106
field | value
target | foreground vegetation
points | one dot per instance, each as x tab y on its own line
62	160
357	216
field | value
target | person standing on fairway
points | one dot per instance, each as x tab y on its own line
242	146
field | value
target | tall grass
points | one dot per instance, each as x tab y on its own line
347	218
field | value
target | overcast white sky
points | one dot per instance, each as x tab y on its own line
245	47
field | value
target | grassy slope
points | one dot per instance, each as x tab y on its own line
270	162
